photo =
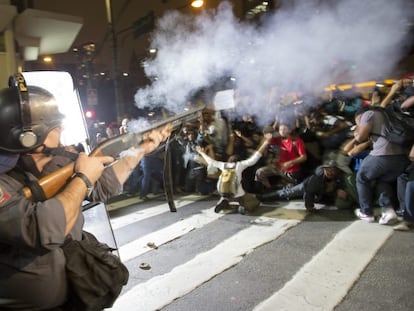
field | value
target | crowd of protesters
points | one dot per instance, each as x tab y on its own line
315	152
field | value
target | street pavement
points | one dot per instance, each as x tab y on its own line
279	258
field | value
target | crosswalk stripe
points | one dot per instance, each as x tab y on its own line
162	290
324	281
176	230
125	220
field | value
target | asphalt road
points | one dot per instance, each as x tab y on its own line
280	258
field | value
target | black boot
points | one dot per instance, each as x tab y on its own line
223	203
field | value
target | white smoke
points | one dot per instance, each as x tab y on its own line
302	47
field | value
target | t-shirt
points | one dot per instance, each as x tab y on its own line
290	148
381	146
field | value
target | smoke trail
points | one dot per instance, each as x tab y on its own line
300	47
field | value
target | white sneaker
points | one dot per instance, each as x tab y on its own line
363	216
389	217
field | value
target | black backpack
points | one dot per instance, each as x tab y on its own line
96	276
399	125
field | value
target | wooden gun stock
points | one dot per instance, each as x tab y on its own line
54	182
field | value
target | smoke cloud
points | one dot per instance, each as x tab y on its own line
301	47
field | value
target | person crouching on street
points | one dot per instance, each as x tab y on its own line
229	184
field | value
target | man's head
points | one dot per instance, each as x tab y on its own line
285	129
268	131
27	115
330	169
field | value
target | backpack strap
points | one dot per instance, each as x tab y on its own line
20	175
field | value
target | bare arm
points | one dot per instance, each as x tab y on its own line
75	192
124	167
301	158
230	145
263	148
411	154
362	132
409	102
397	86
359	148
245	139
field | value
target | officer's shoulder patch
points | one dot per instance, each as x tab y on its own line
4	196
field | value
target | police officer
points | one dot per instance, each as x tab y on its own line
32	264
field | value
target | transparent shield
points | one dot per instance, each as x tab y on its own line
97	222
61	85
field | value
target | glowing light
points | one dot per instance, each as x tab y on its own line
197	3
89	114
47	59
61	85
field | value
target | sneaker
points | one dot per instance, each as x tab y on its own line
400	212
388	218
362	216
310	209
241	210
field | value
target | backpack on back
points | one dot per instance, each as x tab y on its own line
399	125
227	182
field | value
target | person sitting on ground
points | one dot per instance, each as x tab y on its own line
239	143
234	167
324	186
286	163
330	130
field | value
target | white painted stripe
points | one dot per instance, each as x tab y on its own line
299	205
162	290
325	280
167	234
125	220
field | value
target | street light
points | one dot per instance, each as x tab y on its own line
197	3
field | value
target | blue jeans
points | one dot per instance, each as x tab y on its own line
405	191
409	201
376	178
152	174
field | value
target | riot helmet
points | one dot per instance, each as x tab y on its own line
27	115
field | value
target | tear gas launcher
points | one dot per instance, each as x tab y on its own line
48	186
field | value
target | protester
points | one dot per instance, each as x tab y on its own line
32	263
379	170
238	194
325	185
287	161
